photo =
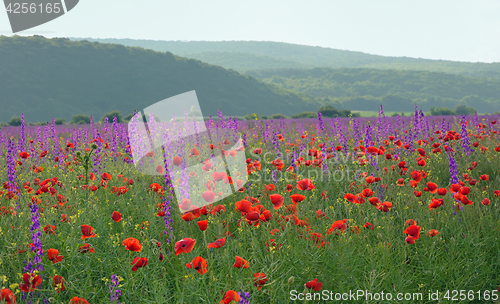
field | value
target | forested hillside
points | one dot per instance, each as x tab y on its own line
366	89
45	78
252	55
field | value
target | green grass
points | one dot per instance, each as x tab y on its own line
463	256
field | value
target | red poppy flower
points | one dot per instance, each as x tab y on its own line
132	244
24	155
410	222
466	201
106	176
202	225
177	160
278	164
87	232
185	204
43	154
252	216
218	176
243	206
199	264
441	191
77	300
277	200
208	196
432	187
410	240
31	282
368	225
385	206
259	279
355	229
217	244
436	203
230	296
194	152
464	190
155	187
484	177
53	255
65	218
432	232
297	198
218	209
257	151
305	184
185	245
485	201
116	216
160	169
413	231
375	201
86	249
315	285
49	229
455	188
7	296
139	262
58	283
240	263
367	192
338	225
268	188
189	216
320	214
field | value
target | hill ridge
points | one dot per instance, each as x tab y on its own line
58	77
314	56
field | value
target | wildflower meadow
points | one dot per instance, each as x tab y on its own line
316	210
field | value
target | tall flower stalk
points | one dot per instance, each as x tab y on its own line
114	290
36	263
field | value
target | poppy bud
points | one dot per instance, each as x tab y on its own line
292	278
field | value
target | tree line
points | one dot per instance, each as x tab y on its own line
81	119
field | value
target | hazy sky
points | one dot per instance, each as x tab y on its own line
459	30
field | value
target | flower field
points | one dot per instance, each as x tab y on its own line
399	205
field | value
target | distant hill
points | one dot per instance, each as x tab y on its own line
47	78
242	62
366	89
254	55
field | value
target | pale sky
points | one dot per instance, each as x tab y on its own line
460	30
